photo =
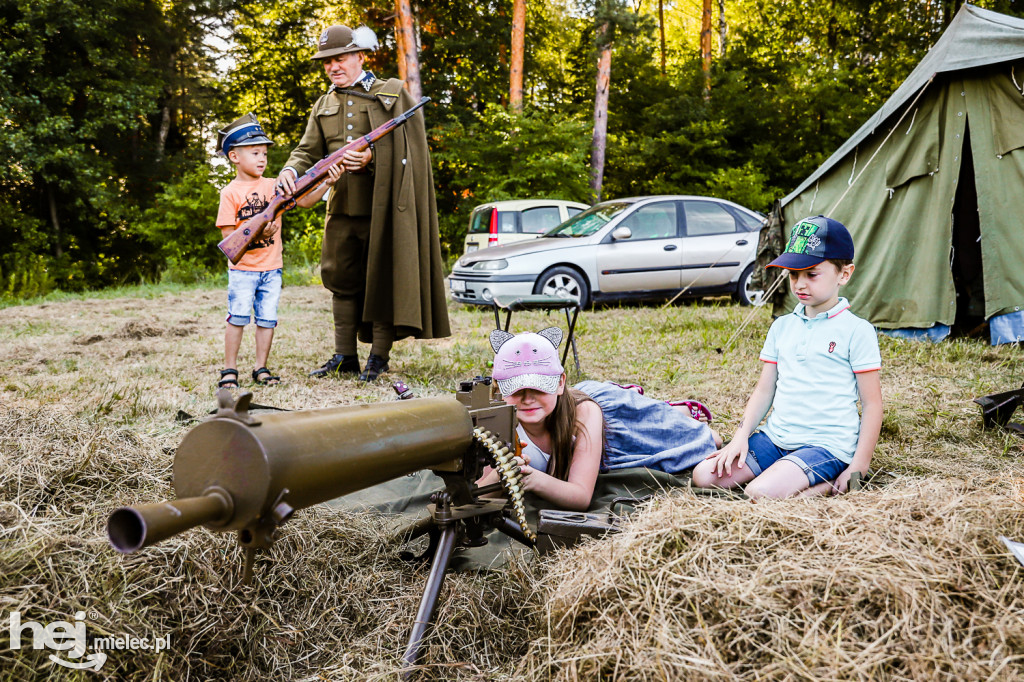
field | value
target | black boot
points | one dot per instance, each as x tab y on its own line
338	364
375	366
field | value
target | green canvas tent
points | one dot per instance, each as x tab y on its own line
932	187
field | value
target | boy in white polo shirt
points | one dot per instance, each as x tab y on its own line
817	361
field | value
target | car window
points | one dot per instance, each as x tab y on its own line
747	221
707	217
506	222
653	221
573	210
480	221
590	221
541	219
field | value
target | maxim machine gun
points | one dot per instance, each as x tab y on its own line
250	473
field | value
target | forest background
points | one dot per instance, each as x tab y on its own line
108	109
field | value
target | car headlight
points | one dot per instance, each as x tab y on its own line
499	264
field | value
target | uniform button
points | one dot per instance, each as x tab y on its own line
348	139
349	114
403	162
350	102
350	126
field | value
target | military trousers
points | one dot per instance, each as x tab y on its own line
343	261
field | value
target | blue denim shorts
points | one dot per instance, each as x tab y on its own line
249	292
817	463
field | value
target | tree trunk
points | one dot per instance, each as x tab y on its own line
407	45
597	150
165	128
661	30
723	28
54	220
515	91
705	46
400	47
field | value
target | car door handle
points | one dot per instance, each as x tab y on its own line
742	242
671	247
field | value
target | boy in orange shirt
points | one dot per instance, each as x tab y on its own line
254	283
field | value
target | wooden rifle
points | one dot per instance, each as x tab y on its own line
237	243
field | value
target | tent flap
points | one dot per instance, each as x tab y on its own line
913	150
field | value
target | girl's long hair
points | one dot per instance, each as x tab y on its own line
563	426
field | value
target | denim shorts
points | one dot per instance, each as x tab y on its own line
251	291
817	463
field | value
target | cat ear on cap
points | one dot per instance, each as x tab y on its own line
498	338
552	334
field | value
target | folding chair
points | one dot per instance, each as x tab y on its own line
511	304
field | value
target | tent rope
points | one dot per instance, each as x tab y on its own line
1014	79
911	126
881	146
766	296
699	275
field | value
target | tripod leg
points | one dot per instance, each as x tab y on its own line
430	594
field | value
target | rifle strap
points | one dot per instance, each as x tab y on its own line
354	93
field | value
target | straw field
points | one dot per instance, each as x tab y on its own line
905	581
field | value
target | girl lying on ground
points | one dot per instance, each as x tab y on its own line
569	435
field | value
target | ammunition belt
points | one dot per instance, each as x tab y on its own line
508	473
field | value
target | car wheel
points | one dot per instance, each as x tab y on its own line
745	294
565	283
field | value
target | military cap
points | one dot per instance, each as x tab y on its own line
244	131
340	39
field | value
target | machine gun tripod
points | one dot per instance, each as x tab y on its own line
237	471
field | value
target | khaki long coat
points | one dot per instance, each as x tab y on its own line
404	273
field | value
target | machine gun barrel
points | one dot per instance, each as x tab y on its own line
132	528
237	472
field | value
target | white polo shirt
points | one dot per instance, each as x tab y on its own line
816	392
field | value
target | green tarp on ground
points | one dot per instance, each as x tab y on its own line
406	498
895	184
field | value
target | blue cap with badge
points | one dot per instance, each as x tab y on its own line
813	241
244	131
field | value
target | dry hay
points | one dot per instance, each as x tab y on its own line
331	600
909	582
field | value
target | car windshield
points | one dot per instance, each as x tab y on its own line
590	221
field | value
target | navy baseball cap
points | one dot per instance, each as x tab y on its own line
813	241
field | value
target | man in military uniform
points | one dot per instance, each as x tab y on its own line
381	255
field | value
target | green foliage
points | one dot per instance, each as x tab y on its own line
107	106
26	278
504	155
182	224
92	106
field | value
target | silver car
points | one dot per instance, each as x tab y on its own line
640	247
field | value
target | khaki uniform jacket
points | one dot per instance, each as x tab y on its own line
404	273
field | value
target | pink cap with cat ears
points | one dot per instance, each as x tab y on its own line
527	360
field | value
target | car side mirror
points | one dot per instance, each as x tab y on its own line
622	232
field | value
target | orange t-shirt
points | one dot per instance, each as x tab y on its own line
240	201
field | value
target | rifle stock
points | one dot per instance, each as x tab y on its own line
237	243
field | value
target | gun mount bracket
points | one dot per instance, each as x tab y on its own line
229	408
